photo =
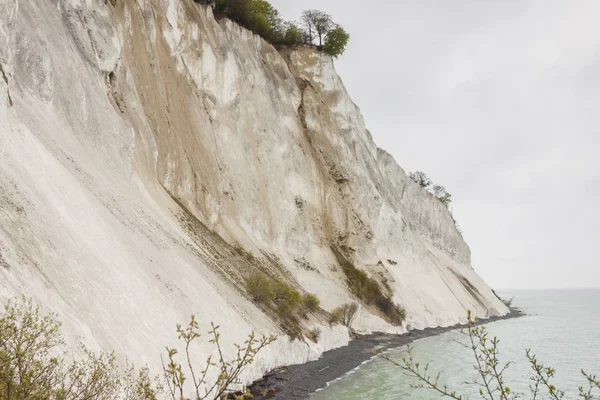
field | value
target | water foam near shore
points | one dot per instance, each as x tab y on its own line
297	382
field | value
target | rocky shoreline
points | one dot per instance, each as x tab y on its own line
296	382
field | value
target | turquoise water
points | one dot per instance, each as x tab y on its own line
562	329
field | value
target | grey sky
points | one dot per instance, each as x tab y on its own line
498	100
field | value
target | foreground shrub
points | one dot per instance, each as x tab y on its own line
180	375
491	381
34	364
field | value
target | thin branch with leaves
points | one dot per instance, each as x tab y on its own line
227	372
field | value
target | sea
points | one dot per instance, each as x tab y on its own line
562	328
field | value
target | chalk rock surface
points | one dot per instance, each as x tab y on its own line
152	156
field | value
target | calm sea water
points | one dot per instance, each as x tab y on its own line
562	329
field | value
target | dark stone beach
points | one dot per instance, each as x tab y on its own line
296	382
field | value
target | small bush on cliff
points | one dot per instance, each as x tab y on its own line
314	334
440	192
420	178
442	195
259	288
311	302
336	316
287	299
344	315
284	300
369	291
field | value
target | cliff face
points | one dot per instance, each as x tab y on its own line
151	155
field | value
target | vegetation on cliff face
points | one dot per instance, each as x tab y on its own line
259	16
344	315
439	191
369	291
278	297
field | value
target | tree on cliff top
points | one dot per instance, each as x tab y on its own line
336	41
257	15
317	24
262	18
442	195
439	191
289	34
420	179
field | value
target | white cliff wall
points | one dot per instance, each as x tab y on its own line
142	142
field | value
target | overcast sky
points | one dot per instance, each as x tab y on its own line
498	100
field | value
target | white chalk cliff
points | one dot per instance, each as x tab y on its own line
144	143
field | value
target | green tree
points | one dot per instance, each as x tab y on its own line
240	11
336	41
290	34
220	6
262	18
264	8
317	24
259	24
259	16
